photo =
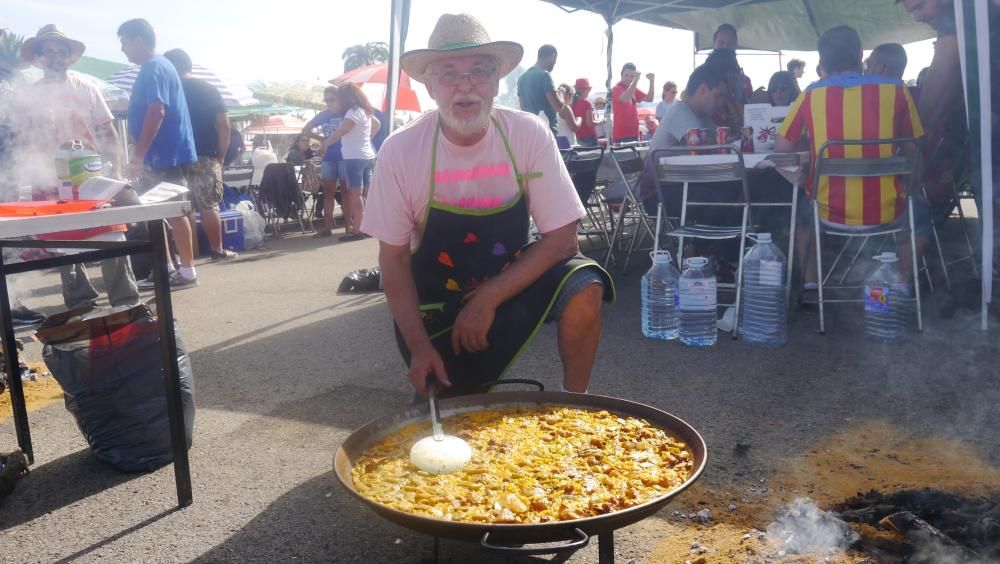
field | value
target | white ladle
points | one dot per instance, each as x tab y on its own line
439	453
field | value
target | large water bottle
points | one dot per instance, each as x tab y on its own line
763	319
697	302
888	305
659	298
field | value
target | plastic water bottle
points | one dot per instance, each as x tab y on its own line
697	302
887	301
763	316
659	298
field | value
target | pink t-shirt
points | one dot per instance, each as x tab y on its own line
476	177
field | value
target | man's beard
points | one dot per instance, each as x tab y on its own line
471	125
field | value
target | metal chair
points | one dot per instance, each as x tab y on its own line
582	163
238	178
895	166
671	171
628	163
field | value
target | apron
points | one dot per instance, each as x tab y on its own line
462	248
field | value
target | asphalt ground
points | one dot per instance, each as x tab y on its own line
285	369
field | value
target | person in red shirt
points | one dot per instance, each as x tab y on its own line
586	132
624	96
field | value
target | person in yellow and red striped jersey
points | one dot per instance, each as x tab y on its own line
849	105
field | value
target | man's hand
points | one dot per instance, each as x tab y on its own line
134	168
322	150
650	76
472	324
425	360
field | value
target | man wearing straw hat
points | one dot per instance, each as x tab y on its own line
65	109
451	203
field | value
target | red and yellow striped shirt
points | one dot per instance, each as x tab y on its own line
851	107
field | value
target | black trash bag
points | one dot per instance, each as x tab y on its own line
361	281
110	371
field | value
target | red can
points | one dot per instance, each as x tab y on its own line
746	140
722	138
694	138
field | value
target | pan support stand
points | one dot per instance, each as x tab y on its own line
606	547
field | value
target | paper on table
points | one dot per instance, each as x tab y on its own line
101	188
164	192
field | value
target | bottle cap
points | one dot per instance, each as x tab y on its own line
660	257
696	262
887	257
763	237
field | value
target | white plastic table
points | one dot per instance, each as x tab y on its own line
154	215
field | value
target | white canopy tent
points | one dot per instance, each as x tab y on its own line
796	25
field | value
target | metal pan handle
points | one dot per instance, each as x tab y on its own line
483	388
577	543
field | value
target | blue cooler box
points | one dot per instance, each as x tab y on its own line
232	232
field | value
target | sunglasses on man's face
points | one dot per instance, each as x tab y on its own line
62	53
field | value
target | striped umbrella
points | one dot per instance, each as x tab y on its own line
234	94
275	125
372	81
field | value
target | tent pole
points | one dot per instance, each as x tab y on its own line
399	22
607	83
977	102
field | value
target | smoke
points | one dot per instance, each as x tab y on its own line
803	528
20	166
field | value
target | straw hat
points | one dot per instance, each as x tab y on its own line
460	35
29	49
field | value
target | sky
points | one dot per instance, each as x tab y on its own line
250	40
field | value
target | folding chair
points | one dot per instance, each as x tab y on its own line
582	164
308	178
895	166
628	165
673	170
238	178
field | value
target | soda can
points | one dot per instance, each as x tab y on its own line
722	138
746	140
707	135
693	138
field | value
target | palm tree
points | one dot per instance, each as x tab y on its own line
10	46
362	55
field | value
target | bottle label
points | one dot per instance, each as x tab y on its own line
771	273
698	293
876	299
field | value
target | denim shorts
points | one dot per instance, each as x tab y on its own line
333	170
359	172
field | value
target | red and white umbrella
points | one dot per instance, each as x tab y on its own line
234	94
372	81
275	125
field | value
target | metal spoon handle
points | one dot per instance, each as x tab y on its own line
435	416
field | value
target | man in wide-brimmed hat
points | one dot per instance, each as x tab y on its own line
65	109
460	185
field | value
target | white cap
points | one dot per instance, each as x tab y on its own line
696	262
660	256
763	237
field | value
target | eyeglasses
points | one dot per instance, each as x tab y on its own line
476	76
55	53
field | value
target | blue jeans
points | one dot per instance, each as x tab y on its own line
359	173
333	170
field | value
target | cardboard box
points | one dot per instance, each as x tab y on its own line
765	120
